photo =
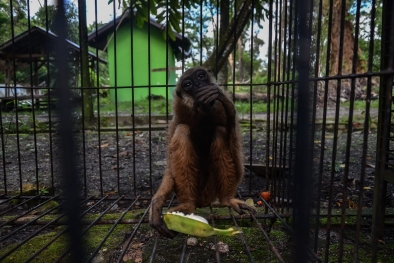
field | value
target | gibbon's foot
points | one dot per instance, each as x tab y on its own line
156	221
240	206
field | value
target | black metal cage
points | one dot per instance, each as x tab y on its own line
85	104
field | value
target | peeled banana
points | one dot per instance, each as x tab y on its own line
195	225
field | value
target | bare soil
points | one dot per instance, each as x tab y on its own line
108	167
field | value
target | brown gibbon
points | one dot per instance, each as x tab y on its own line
204	151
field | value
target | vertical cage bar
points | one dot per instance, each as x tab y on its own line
336	131
85	81
16	99
48	79
385	99
269	85
303	152
100	163
349	131
330	200
251	98
133	97
32	90
290	73
116	92
365	132
320	174
67	157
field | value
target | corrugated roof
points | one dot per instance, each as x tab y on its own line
33	43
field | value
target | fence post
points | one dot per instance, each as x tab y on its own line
303	151
382	147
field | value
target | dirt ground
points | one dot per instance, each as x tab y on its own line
108	167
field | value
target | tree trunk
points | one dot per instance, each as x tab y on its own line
222	77
85	76
226	45
348	43
240	64
231	64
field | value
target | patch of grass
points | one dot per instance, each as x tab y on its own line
92	239
336	220
360	104
364	253
31	247
257	107
159	106
140	107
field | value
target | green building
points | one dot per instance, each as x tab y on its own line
135	54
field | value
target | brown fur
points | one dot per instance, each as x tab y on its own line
204	154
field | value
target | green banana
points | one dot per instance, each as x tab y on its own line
195	225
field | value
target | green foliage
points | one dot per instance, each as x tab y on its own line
169	12
41	18
361	104
257	107
364	39
18	19
141	107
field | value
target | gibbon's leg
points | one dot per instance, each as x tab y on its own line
228	169
184	167
155	214
179	177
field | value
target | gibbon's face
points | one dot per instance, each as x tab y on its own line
191	82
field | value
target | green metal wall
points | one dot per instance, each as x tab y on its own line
141	63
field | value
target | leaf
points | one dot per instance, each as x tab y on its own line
187	4
367	188
370	165
153	8
171	33
140	21
356	124
175	22
352	205
173	3
123	154
145	12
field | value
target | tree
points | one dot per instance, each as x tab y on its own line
348	41
16	22
45	18
224	23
